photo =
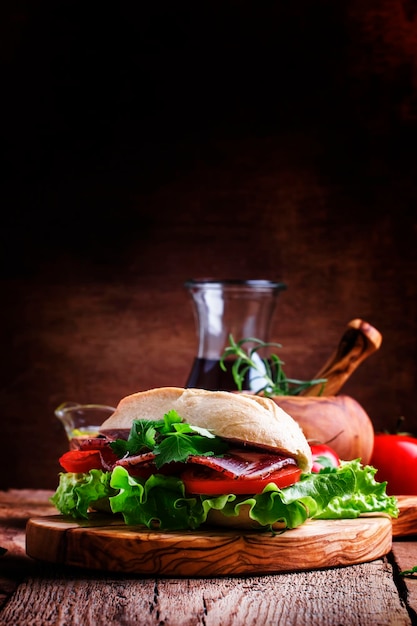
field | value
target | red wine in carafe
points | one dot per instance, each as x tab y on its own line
207	374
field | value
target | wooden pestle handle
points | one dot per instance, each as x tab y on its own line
358	342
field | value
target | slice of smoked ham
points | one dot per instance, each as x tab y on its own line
244	464
136	460
89	443
237	463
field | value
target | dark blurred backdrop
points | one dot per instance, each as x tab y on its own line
146	143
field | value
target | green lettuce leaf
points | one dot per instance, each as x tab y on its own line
345	492
366	495
77	492
161	502
158	502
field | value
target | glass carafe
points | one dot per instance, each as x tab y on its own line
241	308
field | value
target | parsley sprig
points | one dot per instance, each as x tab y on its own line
268	371
170	439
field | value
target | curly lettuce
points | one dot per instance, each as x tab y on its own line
161	501
76	493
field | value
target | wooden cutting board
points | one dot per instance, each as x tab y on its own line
406	523
95	544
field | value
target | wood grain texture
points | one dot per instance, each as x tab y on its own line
406	523
358	595
16	507
405	556
119	548
339	421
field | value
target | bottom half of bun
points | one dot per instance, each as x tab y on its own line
239	522
214	518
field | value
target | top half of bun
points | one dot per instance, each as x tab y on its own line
243	418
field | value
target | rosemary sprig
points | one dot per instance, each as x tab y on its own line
268	371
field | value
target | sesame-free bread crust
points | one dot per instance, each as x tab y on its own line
243	418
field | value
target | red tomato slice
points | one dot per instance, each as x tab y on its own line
81	461
323	456
203	481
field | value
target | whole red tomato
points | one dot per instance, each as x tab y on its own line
395	458
323	456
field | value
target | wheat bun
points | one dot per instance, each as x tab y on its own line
242	418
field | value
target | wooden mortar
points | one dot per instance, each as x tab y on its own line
338	420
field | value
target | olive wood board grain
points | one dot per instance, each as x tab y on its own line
100	545
406	522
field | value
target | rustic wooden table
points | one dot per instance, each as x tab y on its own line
34	593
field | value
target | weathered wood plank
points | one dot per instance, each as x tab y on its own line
16	507
405	555
362	595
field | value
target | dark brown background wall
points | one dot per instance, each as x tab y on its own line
148	145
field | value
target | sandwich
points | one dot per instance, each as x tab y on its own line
172	459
